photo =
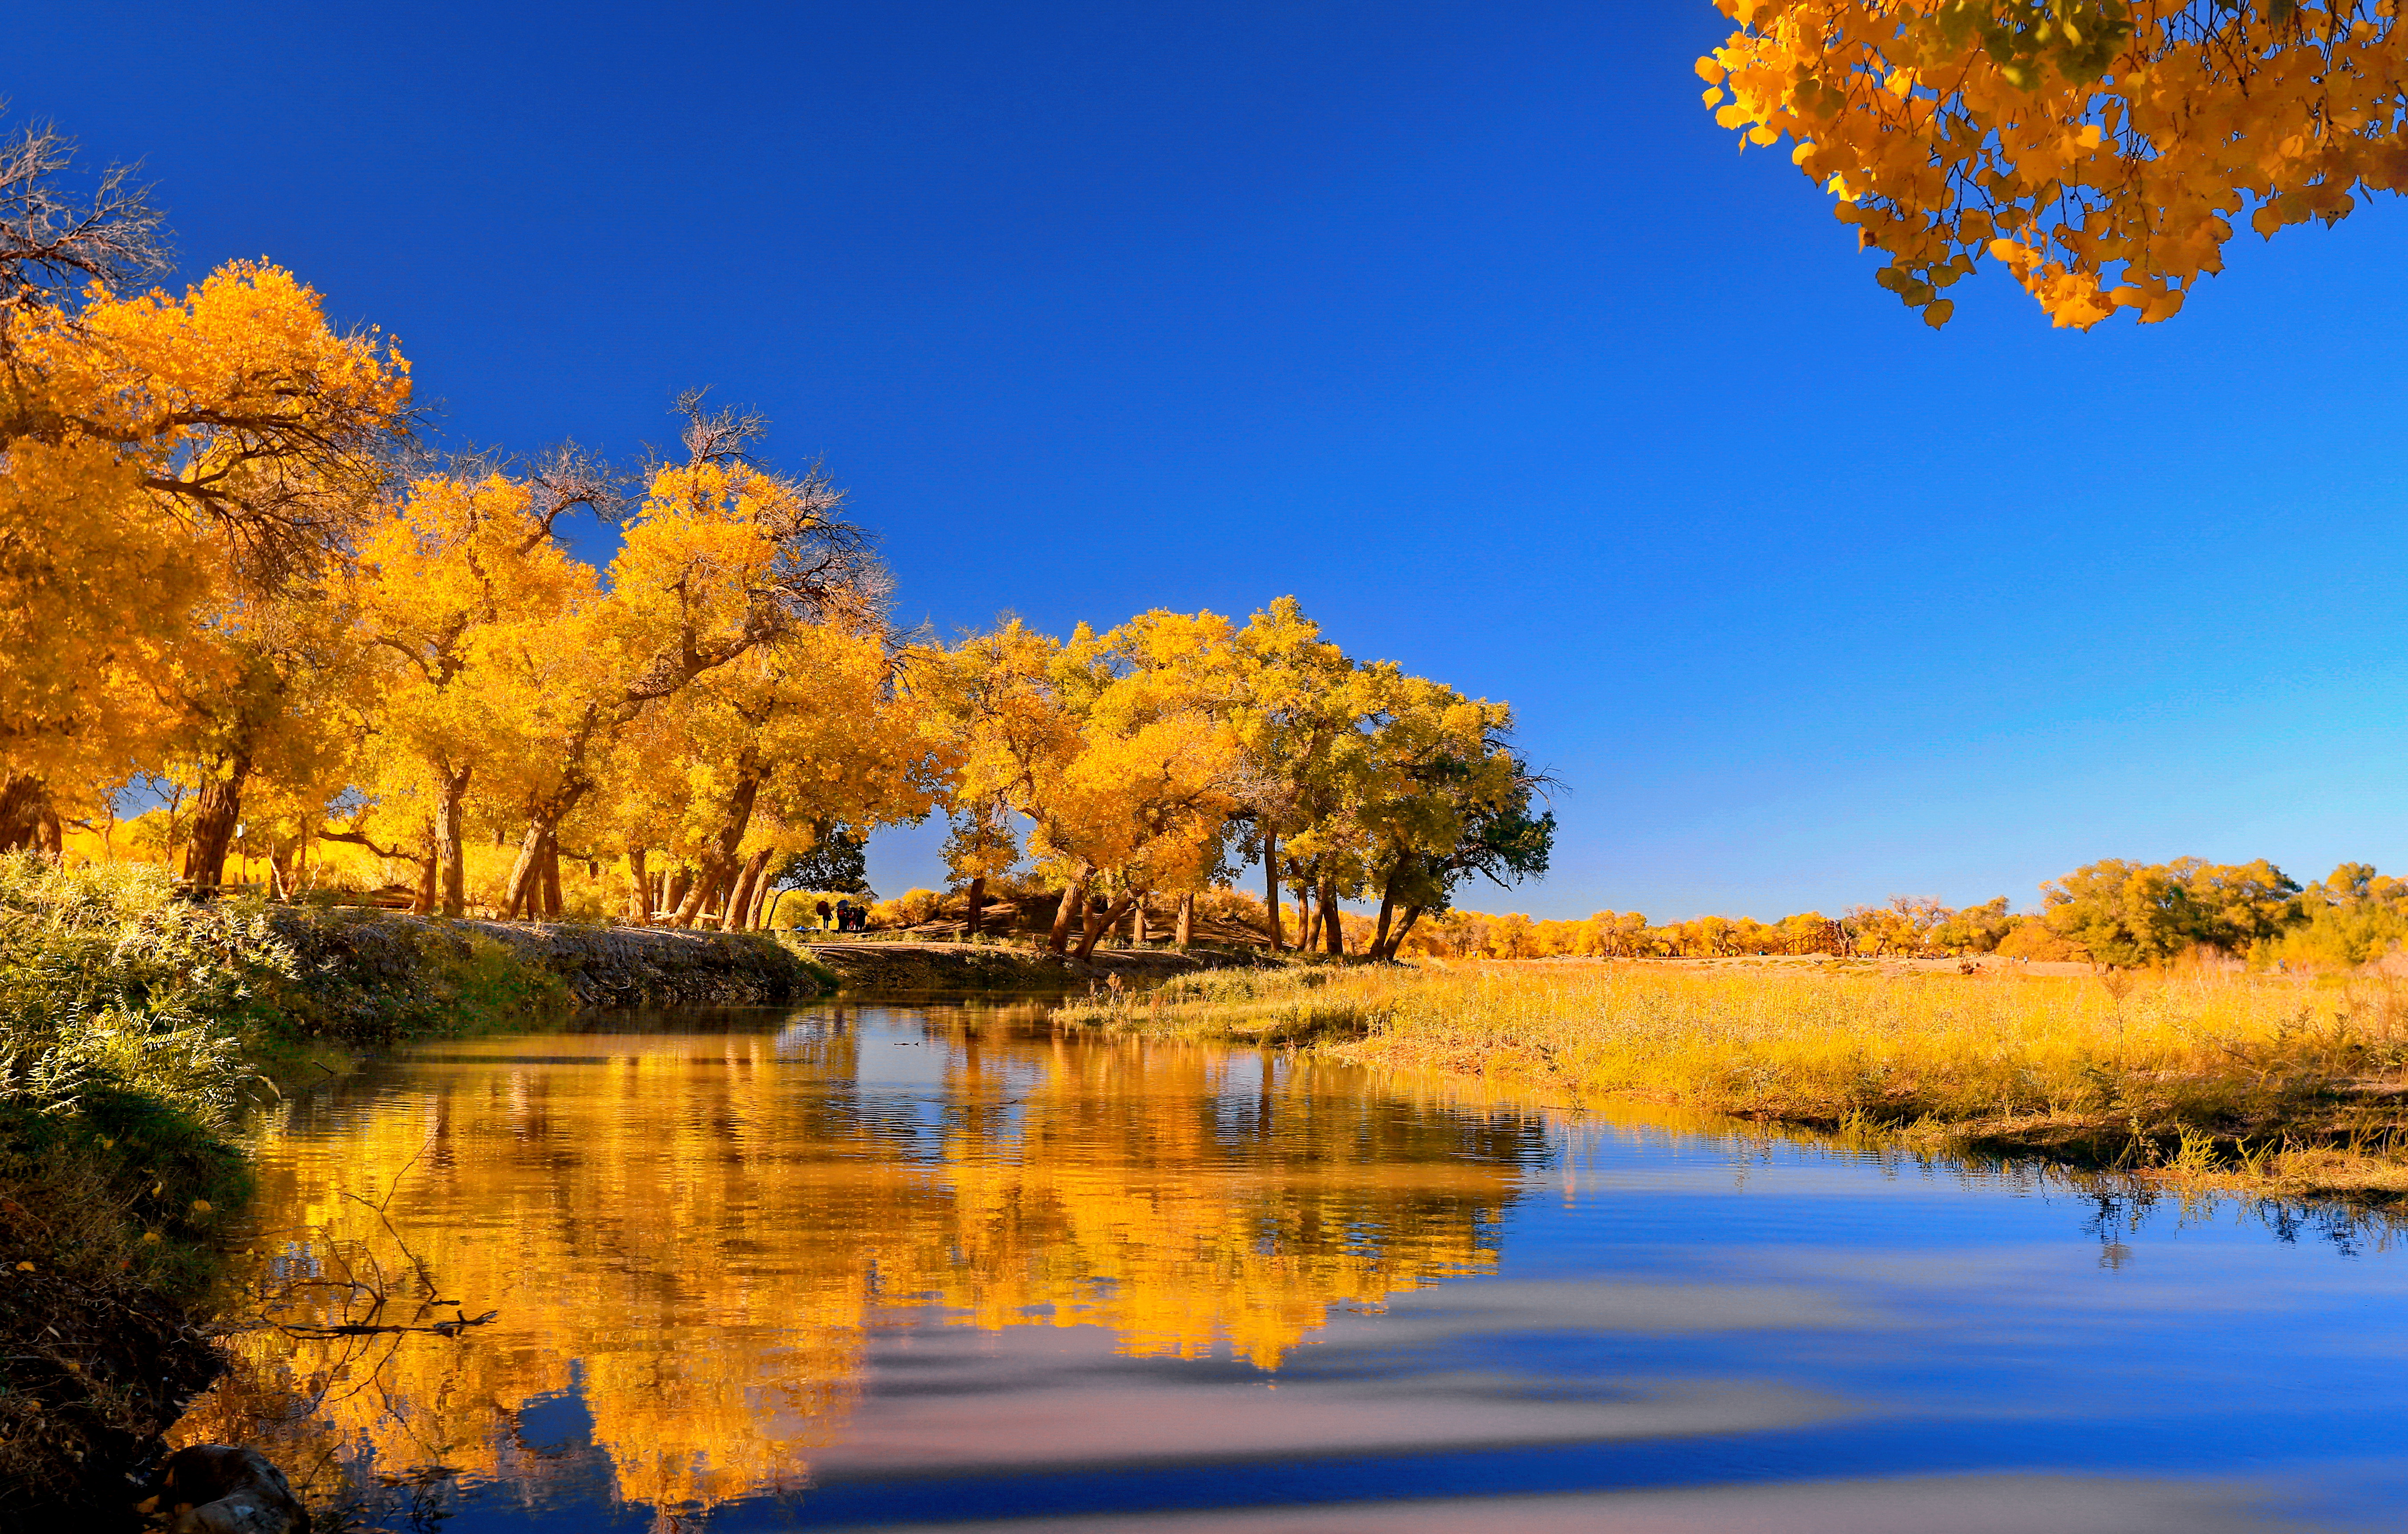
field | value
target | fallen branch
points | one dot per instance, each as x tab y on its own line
375	1328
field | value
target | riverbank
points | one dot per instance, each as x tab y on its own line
136	1027
2281	1085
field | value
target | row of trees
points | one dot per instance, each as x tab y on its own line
2113	912
230	574
1906	926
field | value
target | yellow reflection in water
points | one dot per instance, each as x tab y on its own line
697	1232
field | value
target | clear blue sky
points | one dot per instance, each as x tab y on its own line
1463	323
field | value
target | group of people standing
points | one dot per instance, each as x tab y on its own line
844	915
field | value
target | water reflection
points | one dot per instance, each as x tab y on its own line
692	1230
940	1267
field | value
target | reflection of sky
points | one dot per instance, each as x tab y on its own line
1685	1333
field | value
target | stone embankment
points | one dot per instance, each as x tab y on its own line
377	977
901	964
368	974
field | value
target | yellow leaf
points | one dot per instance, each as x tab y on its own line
1714	95
1708	71
25	1268
1936	315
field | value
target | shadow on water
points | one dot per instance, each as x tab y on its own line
933	1262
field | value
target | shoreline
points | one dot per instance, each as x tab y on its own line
122	1193
2213	1082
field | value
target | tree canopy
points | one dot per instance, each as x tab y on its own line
2104	151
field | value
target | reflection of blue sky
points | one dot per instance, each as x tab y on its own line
1994	1504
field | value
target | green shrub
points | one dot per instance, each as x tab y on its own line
111	983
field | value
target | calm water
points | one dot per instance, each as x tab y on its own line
935	1267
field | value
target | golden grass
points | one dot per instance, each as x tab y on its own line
2270	1083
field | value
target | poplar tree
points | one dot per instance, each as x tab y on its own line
2104	151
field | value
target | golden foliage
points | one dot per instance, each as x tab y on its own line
2104	151
166	459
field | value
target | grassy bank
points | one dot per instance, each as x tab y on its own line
2280	1084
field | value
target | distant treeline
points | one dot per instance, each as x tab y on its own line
2111	911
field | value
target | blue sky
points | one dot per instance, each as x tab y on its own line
1462	323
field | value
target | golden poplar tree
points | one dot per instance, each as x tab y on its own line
2101	150
171	462
467	604
766	755
720	557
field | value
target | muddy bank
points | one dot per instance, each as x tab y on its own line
99	1367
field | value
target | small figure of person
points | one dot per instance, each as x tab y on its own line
823	908
844	916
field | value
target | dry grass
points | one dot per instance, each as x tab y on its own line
2269	1084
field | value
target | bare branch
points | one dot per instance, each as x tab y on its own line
566	478
51	239
726	436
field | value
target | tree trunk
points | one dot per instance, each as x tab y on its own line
639	897
215	816
424	904
719	864
450	855
1412	915
977	904
1270	884
673	892
554	907
23	797
740	904
1387	913
538	849
1333	931
1186	929
1098	928
519	895
698	897
1074	900
765	904
1136	927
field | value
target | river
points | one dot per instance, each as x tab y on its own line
930	1266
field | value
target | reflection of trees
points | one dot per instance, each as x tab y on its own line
707	1228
